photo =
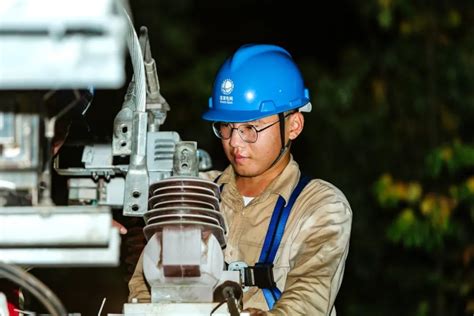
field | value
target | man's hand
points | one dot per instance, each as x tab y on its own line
120	227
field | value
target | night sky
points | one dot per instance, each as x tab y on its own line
318	29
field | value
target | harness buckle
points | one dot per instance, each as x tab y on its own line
260	275
263	275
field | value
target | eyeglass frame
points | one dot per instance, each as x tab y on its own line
257	131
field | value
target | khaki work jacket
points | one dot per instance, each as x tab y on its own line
309	264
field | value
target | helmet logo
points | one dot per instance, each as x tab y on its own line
227	86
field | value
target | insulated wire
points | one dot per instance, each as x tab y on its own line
217	306
29	282
137	64
138	153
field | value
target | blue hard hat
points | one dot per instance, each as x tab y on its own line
257	81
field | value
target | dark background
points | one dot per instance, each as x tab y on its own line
391	84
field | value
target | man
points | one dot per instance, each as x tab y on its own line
256	106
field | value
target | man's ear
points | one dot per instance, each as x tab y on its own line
295	125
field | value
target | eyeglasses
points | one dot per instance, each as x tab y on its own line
248	132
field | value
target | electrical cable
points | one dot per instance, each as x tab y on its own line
217	306
30	283
138	66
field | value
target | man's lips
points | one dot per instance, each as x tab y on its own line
239	157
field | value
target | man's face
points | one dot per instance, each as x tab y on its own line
253	159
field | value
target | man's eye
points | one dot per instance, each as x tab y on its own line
247	128
224	125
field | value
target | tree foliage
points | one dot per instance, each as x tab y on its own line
435	215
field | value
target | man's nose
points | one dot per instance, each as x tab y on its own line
235	138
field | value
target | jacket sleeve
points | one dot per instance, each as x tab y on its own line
137	285
317	259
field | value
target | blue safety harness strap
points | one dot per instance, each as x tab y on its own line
275	232
276	228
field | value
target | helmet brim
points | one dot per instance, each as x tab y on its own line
243	116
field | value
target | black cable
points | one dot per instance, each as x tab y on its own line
29	282
217	307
